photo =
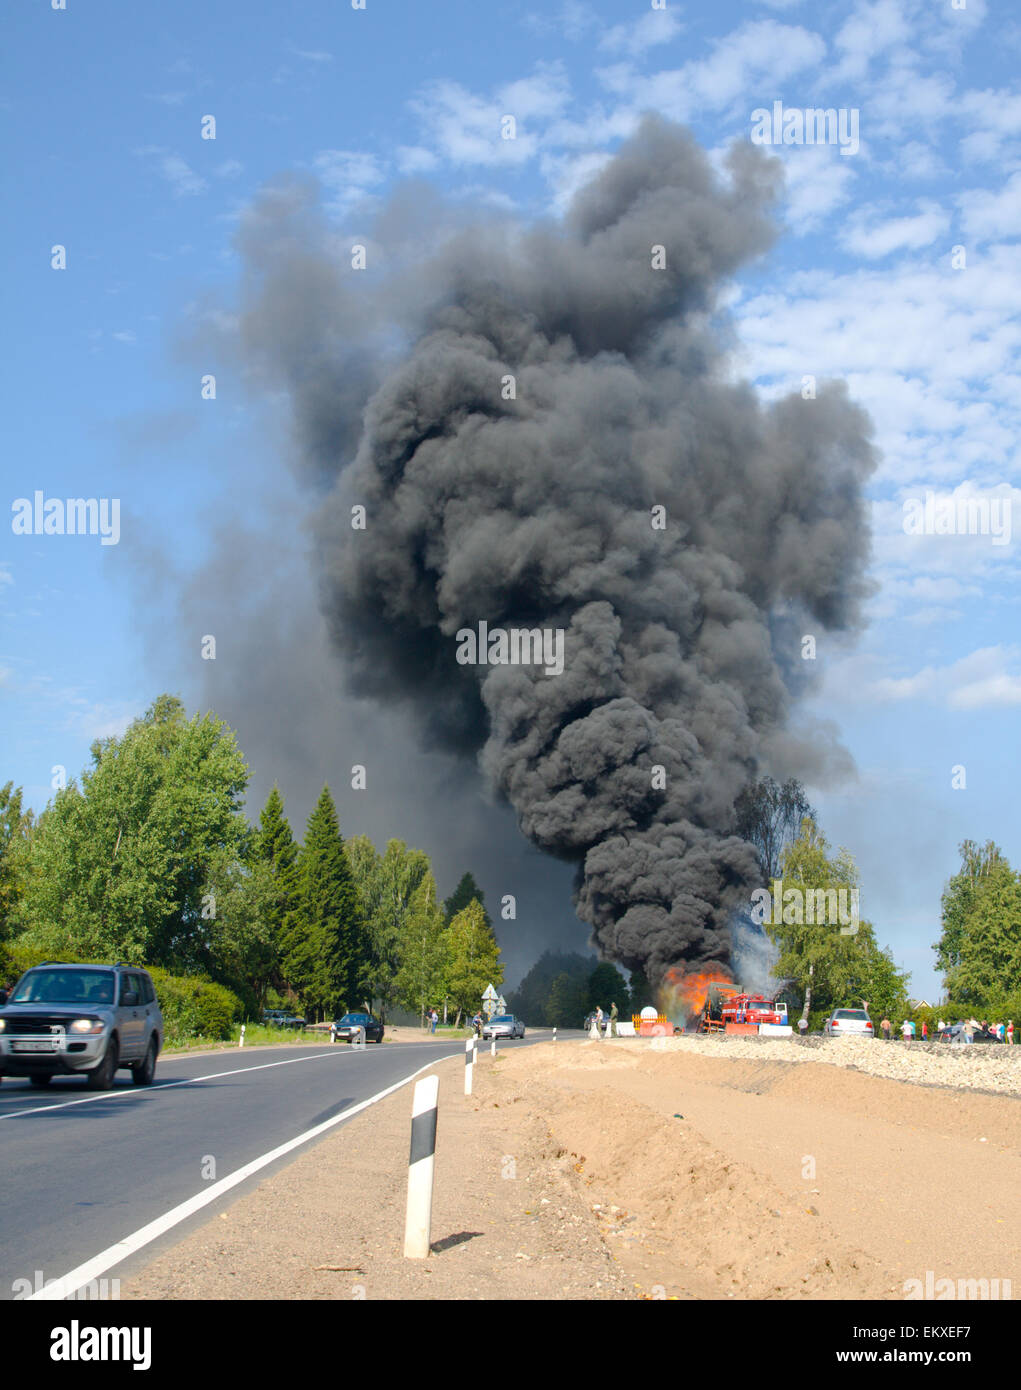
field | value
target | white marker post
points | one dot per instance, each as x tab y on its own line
554	1035
418	1222
492	1047
468	1058
241	1040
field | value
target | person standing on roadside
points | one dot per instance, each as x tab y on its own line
905	1029
802	1025
1010	1031
885	1027
613	1019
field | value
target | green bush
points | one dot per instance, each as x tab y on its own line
248	999
15	960
194	1007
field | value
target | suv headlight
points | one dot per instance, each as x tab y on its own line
87	1025
3	1024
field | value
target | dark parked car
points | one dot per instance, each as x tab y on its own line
348	1026
955	1033
280	1018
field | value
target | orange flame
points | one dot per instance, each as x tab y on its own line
682	995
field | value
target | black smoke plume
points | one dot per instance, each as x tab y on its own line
682	644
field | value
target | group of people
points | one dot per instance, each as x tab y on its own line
601	1022
910	1030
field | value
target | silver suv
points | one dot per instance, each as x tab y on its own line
70	1020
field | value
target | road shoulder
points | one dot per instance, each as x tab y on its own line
507	1223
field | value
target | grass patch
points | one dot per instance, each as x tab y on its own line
256	1035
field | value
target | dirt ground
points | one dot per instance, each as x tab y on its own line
613	1171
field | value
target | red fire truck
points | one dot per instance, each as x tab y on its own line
726	1004
753	1008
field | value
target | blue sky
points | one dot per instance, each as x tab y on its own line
103	105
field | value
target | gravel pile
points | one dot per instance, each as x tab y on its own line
980	1067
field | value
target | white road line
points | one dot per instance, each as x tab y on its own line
114	1254
140	1092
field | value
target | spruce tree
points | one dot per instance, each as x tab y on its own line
467	891
325	948
275	847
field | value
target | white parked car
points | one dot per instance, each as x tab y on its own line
843	1022
504	1026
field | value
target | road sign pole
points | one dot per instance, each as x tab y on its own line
421	1165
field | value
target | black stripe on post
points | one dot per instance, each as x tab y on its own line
423	1136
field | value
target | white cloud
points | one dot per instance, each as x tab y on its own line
915	160
872	239
869	31
742	69
348	176
465	128
415	159
312	55
817	181
987	215
181	177
907	106
573	21
980	680
996	116
567	173
633	39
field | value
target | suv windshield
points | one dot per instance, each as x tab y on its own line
851	1013
503	1018
356	1018
64	987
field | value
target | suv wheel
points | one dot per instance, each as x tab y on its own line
101	1077
143	1072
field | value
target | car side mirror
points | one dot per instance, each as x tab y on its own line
129	998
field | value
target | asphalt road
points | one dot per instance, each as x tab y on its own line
80	1171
